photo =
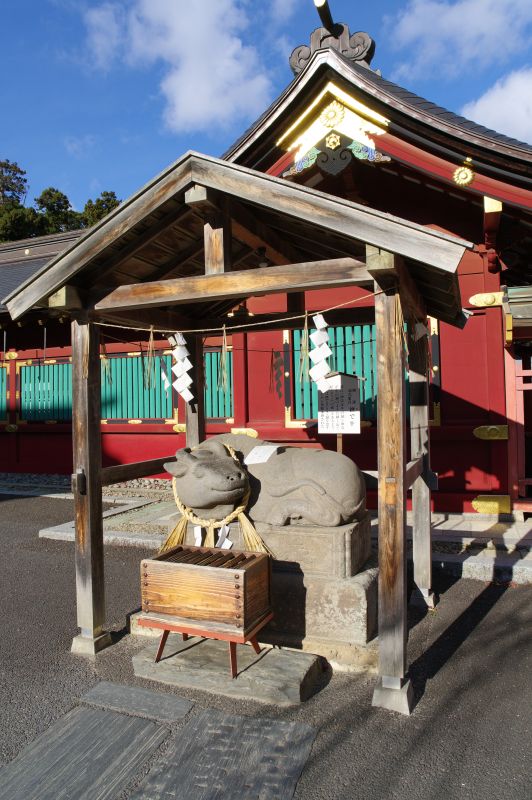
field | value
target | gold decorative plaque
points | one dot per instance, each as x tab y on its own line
247	432
491	432
492	504
463	176
486	299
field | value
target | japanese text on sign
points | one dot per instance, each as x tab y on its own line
339	407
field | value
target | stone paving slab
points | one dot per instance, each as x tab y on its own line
218	756
166	708
89	754
279	677
66	533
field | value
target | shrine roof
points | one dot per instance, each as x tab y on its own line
426	122
22	259
436	112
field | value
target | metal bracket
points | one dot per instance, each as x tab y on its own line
491	432
486	299
79	482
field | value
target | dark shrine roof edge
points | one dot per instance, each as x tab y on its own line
396	97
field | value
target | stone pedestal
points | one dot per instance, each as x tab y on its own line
323	600
274	676
339	552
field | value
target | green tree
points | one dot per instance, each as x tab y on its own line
13	183
95	210
19	222
56	211
52	212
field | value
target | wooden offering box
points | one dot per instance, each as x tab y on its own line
208	584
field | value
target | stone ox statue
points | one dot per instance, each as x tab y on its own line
295	485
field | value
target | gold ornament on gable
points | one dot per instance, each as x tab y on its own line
332	115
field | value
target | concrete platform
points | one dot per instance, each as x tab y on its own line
278	677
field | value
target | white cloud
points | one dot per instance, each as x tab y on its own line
79	146
443	37
210	76
104	33
506	106
282	10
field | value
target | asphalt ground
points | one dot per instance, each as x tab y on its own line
469	736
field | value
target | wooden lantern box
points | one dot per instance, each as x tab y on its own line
208	585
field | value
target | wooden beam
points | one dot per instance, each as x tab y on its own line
392	690
86	485
67	297
244	283
418	365
216	230
202	200
217	243
413	470
129	472
386	268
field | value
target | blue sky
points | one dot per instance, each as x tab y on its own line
103	94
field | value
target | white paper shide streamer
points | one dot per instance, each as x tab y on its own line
320	354
180	367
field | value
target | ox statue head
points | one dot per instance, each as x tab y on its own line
208	478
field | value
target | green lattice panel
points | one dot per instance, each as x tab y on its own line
218	403
355	353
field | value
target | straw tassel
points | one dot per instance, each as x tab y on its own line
304	353
252	540
209	538
106	365
176	537
222	375
149	363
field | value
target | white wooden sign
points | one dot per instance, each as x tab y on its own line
339	406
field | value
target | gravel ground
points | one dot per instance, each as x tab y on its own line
468	738
155	488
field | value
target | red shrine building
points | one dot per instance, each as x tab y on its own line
340	128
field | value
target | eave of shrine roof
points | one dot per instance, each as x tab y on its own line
403	105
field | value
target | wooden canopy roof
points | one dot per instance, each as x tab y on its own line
150	252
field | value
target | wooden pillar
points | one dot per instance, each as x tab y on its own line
195	411
87	488
420	448
217	253
393	691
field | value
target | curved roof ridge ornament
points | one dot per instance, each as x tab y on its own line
358	47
